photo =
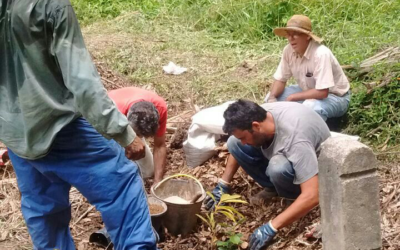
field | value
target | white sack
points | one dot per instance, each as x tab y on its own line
205	129
146	164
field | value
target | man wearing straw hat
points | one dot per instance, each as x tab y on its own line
320	81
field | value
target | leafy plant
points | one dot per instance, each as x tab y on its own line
375	114
228	212
232	243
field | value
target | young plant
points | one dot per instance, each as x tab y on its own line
232	243
228	212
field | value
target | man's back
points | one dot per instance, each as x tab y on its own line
296	122
124	98
47	78
29	83
299	132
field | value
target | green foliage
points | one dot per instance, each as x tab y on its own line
246	21
228	212
242	30
341	23
232	243
91	10
375	115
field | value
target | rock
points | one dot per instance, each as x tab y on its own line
349	196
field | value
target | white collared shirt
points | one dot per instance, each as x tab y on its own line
318	68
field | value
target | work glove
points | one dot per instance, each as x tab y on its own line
262	237
221	188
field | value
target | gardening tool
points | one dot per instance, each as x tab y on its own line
180	218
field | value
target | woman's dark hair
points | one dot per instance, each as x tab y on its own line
144	118
241	114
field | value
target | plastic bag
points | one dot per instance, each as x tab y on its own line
205	129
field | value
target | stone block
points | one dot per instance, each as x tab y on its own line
361	213
350	156
349	196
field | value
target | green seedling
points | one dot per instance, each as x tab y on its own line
232	243
228	212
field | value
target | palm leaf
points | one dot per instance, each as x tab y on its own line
225	197
203	219
235	201
228	215
211	195
231	210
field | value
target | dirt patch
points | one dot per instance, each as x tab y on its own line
110	79
155	209
179	136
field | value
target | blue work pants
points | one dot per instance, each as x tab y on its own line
277	173
330	107
98	168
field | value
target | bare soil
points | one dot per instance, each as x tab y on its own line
155	209
179	136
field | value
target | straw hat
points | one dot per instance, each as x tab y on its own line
298	23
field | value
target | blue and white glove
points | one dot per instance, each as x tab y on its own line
262	237
221	188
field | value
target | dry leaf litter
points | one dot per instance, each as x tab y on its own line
85	218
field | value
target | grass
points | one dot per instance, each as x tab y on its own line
229	47
375	115
343	24
215	71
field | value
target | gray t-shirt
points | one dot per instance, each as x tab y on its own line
299	132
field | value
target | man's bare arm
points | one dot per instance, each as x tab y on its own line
318	94
231	168
307	200
277	89
159	157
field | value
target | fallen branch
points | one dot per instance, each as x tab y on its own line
371	86
8	181
390	55
171	130
109	81
82	216
179	116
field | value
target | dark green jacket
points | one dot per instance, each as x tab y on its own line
47	78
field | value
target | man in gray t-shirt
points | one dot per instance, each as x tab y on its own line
276	144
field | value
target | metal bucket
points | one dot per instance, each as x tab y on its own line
157	219
180	218
103	239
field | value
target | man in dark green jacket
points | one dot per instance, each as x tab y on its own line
62	130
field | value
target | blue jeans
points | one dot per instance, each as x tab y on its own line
98	168
332	106
277	173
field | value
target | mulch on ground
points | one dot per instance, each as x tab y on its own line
85	218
